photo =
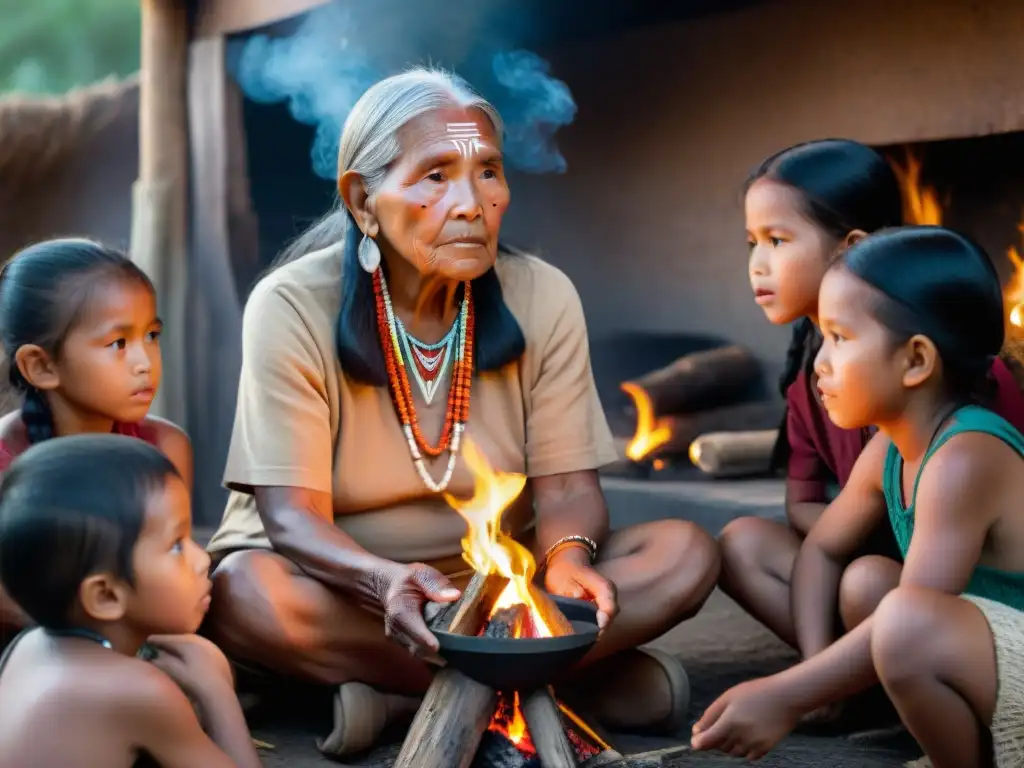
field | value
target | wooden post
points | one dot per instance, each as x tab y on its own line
159	205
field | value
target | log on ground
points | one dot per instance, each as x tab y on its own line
734	418
734	454
701	380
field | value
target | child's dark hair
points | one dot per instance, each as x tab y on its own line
844	186
43	291
71	508
938	283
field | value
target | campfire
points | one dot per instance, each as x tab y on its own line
504	641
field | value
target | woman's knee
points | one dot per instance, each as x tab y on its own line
681	563
251	609
864	583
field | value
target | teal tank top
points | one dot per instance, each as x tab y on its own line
1002	586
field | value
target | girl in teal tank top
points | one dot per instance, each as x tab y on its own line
912	319
992	583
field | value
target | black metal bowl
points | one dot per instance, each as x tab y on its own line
523	664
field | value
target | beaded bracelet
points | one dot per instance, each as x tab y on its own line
571	541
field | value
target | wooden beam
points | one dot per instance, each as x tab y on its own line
159	205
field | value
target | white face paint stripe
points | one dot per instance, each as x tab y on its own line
465	137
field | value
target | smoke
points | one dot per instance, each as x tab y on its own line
338	50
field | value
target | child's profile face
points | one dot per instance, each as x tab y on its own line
788	253
110	363
859	370
171	591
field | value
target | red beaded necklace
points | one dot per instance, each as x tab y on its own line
457	411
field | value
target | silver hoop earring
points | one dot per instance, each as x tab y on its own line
369	254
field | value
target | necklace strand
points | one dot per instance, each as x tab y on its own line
457	411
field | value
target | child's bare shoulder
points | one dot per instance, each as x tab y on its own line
171	440
12	430
161	432
100	699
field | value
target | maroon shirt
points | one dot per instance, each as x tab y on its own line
9	453
821	453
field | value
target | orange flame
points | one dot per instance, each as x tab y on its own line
1014	291
509	721
650	433
920	202
489	549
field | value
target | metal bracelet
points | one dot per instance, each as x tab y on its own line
582	541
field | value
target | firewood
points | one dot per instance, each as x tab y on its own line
466	615
734	418
547	732
450	723
701	380
551	614
510	622
733	454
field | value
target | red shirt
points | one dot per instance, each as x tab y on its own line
8	454
821	453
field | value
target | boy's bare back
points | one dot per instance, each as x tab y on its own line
83	705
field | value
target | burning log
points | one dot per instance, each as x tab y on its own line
467	614
701	380
733	454
449	724
547	731
514	621
734	418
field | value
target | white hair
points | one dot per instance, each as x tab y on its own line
369	140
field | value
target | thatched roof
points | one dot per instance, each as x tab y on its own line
39	134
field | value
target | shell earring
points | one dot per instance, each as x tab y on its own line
369	254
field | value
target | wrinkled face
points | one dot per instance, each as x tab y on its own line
860	368
441	203
171	593
109	364
788	253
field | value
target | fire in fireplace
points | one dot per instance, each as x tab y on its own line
975	186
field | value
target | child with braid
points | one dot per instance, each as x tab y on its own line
80	337
804	207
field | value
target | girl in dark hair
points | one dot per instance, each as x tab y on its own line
912	319
804	207
80	337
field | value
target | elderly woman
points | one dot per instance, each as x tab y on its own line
393	332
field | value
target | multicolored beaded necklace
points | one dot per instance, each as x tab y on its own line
392	338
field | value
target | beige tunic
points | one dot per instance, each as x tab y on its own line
302	422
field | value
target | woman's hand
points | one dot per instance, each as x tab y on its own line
570	574
747	721
402	591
